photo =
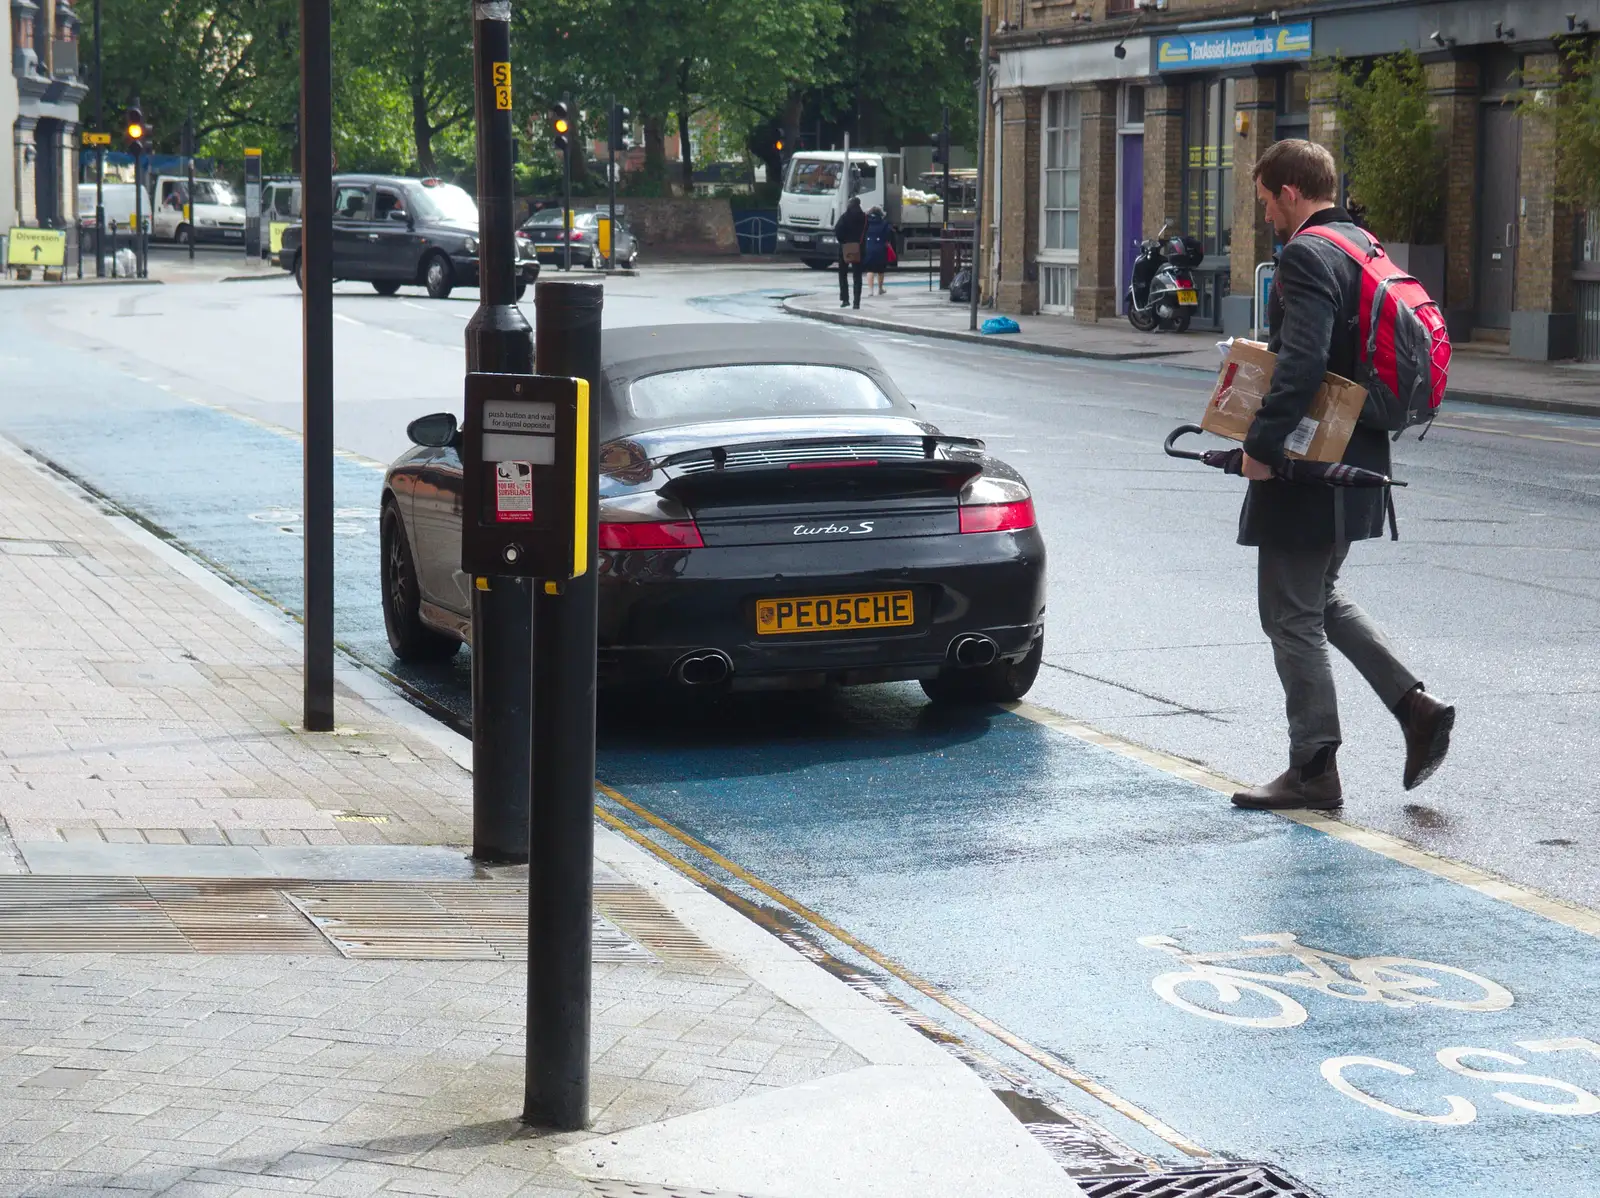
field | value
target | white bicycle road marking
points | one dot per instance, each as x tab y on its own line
1393	981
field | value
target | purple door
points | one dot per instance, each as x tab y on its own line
1131	190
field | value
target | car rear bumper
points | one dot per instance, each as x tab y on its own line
467	270
658	608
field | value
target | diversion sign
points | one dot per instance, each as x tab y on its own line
1234	47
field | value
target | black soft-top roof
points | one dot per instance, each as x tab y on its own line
631	353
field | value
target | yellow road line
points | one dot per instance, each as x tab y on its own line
1501	432
1559	911
1037	1055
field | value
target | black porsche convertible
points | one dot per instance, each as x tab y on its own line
773	514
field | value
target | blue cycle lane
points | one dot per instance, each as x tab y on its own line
1391	1033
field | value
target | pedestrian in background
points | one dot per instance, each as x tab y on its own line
875	249
1303	533
849	231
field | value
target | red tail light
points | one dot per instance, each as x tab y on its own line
997	517
577	235
676	534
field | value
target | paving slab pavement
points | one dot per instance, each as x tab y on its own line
264	1031
1479	373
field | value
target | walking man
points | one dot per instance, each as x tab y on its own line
850	229
1303	533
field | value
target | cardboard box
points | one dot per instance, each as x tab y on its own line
1244	381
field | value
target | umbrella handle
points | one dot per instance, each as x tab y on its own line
1182	430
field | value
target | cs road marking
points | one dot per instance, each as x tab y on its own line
1460	1110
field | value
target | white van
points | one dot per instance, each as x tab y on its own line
218	214
814	196
118	201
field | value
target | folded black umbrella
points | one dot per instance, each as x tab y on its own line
1293	470
1328	474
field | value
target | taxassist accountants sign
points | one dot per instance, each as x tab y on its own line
1234	47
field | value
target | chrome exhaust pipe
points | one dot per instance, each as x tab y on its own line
704	667
972	651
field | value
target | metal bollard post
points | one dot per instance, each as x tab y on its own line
561	826
316	272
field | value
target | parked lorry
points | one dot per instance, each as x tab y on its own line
817	186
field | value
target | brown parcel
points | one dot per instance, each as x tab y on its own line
1242	384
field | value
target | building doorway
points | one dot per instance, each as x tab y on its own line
1131	215
47	173
1497	206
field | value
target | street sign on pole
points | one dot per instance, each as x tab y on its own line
316	274
97	139
252	204
499	341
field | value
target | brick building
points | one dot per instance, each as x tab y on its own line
39	98
1110	118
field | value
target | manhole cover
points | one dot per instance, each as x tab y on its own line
1233	1180
647	1189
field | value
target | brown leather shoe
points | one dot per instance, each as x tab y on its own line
1427	723
1289	789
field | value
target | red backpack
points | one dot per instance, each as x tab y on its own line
1405	347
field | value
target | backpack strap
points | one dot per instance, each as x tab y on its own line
1344	243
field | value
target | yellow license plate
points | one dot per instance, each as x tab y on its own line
835	613
1188	297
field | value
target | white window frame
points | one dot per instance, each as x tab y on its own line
1070	128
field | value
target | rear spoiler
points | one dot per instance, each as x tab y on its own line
886	461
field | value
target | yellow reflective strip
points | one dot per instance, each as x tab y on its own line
580	487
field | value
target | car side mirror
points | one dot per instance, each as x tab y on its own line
437	431
400	215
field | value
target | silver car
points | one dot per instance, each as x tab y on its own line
545	230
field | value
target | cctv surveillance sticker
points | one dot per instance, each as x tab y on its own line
513	493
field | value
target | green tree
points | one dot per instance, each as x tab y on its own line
225	63
1394	156
421	49
1565	104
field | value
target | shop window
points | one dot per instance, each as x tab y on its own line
1062	150
1294	93
1208	164
1133	105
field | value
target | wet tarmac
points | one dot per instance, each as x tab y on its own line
1062	891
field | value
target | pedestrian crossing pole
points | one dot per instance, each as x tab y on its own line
499	341
316	273
561	822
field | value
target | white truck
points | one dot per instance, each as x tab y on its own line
217	213
814	195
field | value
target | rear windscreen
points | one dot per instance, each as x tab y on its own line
757	390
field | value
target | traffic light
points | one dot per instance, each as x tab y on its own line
621	125
560	124
941	146
133	126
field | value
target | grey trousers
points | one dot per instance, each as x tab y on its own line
1303	610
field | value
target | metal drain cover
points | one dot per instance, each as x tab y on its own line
1233	1180
648	1189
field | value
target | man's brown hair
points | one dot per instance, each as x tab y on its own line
1302	164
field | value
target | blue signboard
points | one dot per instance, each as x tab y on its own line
1234	47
